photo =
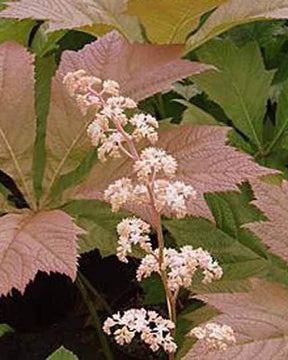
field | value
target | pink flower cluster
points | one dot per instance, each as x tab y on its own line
181	266
214	336
153	329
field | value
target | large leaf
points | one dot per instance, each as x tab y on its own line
237	260
272	200
98	16
235	12
17	118
205	162
259	319
18	31
170	21
45	241
5	329
100	225
241	75
62	354
141	70
44	70
281	130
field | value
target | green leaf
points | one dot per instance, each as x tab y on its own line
19	31
96	218
241	74
236	12
72	178
45	42
281	134
62	354
238	261
5	329
44	70
170	21
153	290
194	115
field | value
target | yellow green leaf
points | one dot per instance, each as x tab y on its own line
170	21
236	12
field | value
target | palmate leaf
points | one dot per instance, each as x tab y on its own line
259	319
141	70
17	118
241	75
62	354
100	225
280	139
272	200
45	241
170	21
205	161
96	16
236	12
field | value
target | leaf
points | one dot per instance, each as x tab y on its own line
100	225
233	209
204	161
237	260
45	241
141	70
97	16
62	354
186	91
170	21
18	31
241	75
5	329
194	115
259	319
17	119
44	70
236	12
272	201
281	134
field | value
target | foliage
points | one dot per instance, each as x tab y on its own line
229	129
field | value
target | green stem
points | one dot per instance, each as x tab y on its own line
160	105
94	292
276	139
97	323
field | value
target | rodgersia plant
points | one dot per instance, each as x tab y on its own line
155	185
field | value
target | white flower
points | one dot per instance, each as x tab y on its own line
121	102
169	197
173	197
180	266
153	329
79	83
152	161
132	231
111	87
119	193
214	336
145	126
110	146
97	129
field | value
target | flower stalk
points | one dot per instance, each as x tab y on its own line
154	187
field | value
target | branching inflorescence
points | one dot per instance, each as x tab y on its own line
115	133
